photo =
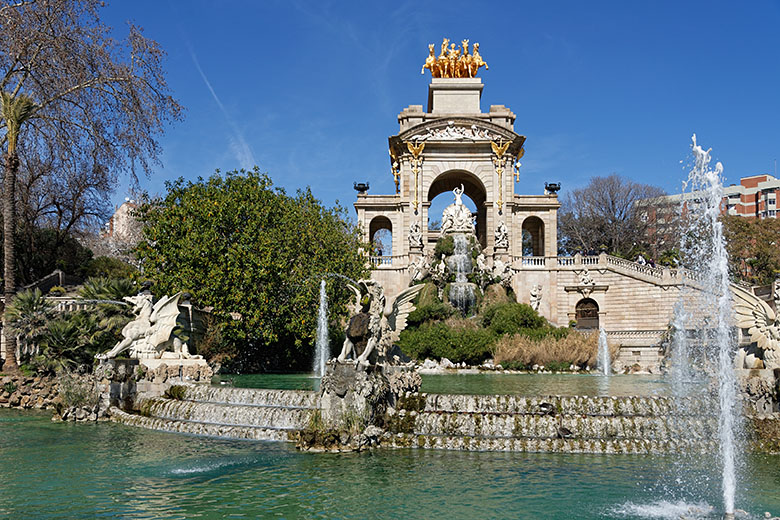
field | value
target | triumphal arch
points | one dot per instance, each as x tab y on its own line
453	143
449	144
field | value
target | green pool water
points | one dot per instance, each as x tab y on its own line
486	383
55	470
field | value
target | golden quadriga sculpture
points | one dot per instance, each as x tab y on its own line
452	62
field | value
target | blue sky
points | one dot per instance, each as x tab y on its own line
310	91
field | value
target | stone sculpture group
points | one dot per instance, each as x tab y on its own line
157	327
374	325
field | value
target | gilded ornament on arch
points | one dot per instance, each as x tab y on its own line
453	62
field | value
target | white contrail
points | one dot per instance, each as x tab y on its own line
238	144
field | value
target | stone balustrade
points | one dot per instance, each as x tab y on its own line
655	275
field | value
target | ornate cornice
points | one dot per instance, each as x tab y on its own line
457	130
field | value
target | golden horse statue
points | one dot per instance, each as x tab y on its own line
430	62
476	62
452	62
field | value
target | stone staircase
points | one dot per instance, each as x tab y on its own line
568	424
238	413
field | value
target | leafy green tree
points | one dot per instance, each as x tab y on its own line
110	267
256	256
39	251
754	248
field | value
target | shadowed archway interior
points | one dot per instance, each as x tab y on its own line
472	187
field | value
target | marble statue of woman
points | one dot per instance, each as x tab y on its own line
458	195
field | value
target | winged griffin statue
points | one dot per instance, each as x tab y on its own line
157	327
757	316
375	326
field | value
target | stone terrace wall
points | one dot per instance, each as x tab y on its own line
28	392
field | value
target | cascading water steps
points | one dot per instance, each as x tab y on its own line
570	424
566	424
239	413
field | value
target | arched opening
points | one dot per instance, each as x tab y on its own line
380	235
533	237
475	196
587	314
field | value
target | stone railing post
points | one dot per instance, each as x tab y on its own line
577	259
602	259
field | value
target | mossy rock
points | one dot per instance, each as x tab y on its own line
494	294
445	246
429	295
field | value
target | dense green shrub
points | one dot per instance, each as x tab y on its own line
76	391
437	340
57	291
428	313
511	318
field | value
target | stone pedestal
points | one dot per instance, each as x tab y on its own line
351	391
454	95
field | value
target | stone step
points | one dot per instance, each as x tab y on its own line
497	425
549	445
251	396
255	416
199	428
652	406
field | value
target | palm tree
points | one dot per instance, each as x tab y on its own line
15	110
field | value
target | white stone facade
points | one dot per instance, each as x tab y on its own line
464	146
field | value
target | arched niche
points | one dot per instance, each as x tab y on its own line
472	187
381	228
586	313
533	237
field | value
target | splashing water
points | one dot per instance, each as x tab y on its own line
705	253
322	346
604	361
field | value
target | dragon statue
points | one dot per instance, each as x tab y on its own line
375	326
157	327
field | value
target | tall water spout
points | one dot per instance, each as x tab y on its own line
705	251
604	361
322	346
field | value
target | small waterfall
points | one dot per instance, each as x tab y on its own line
241	413
461	291
322	346
569	424
604	361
